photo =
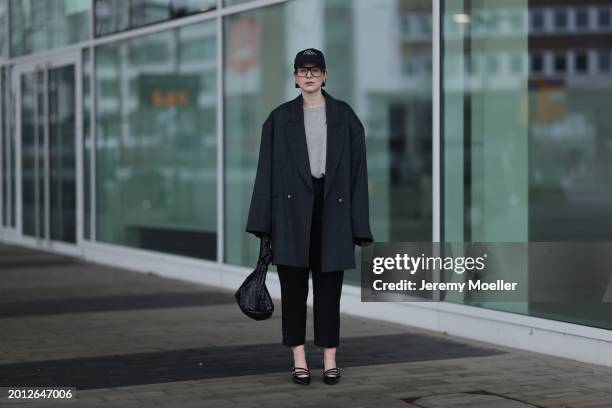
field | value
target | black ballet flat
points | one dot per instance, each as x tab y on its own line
298	375
331	376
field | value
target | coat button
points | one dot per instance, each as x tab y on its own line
288	195
340	200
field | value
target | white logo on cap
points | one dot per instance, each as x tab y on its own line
309	52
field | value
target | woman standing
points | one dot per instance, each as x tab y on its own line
311	198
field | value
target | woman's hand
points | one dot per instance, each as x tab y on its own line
266	248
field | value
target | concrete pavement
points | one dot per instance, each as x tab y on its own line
129	339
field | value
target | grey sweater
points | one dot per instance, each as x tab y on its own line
315	124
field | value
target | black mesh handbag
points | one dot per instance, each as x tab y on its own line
253	296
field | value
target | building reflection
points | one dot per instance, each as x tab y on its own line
527	140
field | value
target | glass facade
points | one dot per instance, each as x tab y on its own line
7	150
6	139
4	149
47	111
525	142
3	21
118	15
38	25
61	107
156	143
32	147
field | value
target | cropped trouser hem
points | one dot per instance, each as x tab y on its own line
327	289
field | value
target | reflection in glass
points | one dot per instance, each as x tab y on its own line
234	2
29	142
38	25
4	148
156	141
560	18
3	21
62	154
49	131
528	153
392	99
8	140
603	16
87	142
120	15
33	153
485	130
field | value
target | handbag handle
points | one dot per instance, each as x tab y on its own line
265	248
265	256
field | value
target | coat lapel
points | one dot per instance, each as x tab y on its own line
299	146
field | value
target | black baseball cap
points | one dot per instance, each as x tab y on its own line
309	55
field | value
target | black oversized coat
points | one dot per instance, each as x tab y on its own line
282	199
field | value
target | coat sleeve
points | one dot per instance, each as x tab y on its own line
260	211
360	214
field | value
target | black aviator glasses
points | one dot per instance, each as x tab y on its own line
314	71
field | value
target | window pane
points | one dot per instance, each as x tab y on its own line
156	141
527	157
537	63
87	143
604	17
120	15
582	18
8	147
537	20
38	25
393	103
582	62
3	20
4	148
560	62
560	18
604	60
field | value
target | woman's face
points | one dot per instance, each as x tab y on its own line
309	82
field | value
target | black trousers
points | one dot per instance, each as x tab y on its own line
327	288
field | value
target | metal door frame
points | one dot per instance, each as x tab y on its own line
33	66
